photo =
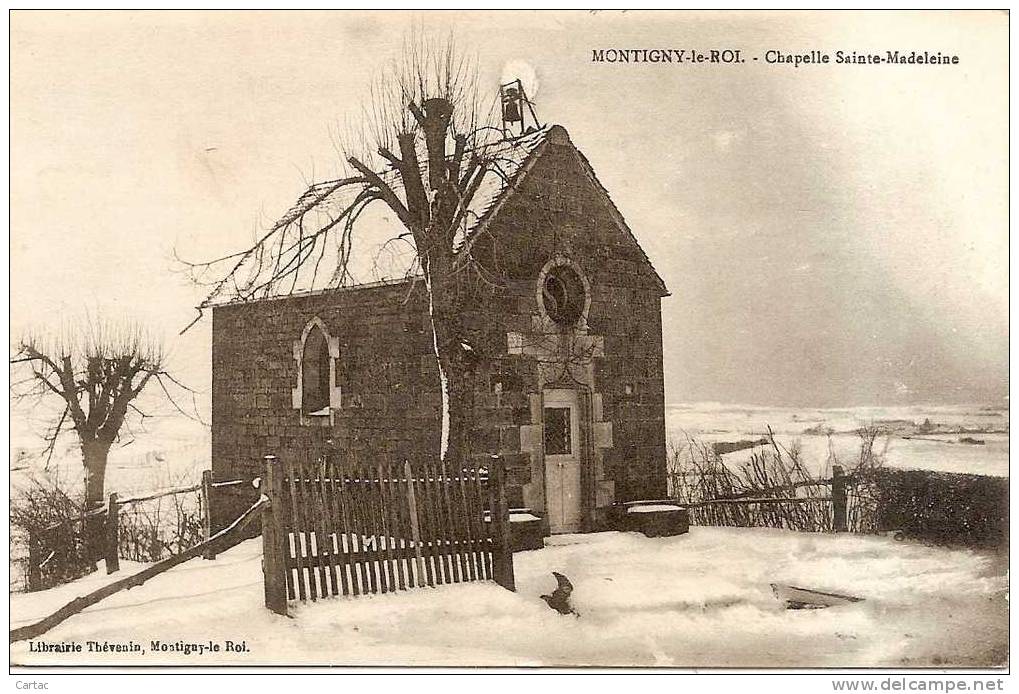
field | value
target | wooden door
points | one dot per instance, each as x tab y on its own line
561	419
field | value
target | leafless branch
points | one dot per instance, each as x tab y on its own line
95	370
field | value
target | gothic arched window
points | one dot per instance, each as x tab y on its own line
315	373
316	356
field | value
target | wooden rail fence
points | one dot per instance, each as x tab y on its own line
103	542
840	484
222	540
339	529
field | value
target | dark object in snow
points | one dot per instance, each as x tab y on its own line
559	600
723	447
805	599
527	530
652	518
972	441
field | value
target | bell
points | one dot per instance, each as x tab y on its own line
511	112
511	106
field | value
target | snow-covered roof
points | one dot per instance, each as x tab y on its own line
305	293
510	159
495	189
507	156
507	162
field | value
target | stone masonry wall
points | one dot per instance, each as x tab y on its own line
560	211
387	373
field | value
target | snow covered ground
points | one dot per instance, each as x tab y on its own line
701	599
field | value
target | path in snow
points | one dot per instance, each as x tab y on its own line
701	599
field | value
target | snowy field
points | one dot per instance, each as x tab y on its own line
936	450
701	599
170	454
174	451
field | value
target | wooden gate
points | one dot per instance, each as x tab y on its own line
340	529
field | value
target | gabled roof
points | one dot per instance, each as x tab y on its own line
618	216
504	188
509	164
512	159
507	156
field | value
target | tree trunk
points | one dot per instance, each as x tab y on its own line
95	454
436	200
454	366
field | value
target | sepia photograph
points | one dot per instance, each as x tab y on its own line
566	341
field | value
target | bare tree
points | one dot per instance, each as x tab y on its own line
95	374
423	148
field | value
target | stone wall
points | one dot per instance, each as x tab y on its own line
386	374
387	379
561	211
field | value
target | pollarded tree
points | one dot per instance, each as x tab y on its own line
95	373
424	150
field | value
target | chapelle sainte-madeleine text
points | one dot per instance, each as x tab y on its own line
772	56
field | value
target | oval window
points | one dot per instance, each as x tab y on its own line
563	295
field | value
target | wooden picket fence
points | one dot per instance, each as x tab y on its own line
341	529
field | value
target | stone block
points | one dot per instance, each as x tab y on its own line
527	532
535	402
509	439
514	496
657	523
531	437
605	493
602	434
516	459
518	475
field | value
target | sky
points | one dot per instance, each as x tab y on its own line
832	235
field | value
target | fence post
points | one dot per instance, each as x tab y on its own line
502	548
34	570
273	558
112	534
839	502
206	498
415	530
